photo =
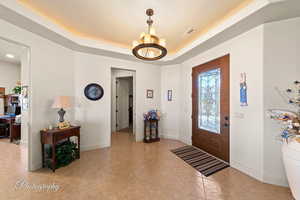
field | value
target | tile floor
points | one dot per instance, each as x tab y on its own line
133	171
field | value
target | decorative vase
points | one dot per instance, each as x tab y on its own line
291	159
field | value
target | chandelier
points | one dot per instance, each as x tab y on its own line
149	46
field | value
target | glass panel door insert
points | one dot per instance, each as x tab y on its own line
209	100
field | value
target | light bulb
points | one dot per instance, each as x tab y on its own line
142	35
147	38
152	31
135	43
151	54
162	42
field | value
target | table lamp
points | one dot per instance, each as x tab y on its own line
62	102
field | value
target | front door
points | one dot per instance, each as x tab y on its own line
211	107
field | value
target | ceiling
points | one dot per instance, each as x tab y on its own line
119	22
170	15
10	48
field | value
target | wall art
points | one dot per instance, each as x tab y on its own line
243	90
169	95
149	94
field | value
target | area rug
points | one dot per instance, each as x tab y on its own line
203	162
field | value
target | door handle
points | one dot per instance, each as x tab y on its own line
226	118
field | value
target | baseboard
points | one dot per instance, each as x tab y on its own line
93	147
186	141
36	166
23	142
275	181
247	170
169	136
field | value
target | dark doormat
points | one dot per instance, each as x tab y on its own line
200	160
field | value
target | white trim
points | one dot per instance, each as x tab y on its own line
185	140
242	14
36	166
74	41
247	170
169	136
23	142
270	179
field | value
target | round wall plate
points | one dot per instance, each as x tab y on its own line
93	91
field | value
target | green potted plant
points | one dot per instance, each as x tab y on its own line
17	89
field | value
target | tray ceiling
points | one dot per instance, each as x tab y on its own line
119	22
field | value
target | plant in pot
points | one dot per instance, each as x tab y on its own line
17	89
290	121
66	152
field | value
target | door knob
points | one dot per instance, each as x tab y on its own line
226	125
226	118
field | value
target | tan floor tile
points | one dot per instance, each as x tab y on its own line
133	171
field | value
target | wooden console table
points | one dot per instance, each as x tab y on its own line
152	137
53	137
10	121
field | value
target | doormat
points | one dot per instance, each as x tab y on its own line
200	160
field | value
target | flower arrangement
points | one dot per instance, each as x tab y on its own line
152	115
290	120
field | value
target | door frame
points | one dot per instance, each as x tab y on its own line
224	137
26	118
113	98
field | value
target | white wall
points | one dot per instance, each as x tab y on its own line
52	74
56	70
10	74
170	110
246	123
281	69
269	54
95	116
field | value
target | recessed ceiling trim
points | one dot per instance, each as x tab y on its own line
26	12
242	14
102	48
96	44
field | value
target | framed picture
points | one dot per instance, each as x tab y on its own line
149	94
169	95
243	90
93	91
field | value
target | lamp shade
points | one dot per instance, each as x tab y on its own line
62	102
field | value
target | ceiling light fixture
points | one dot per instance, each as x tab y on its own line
8	55
149	46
